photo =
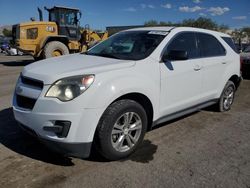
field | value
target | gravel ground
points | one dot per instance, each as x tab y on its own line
204	149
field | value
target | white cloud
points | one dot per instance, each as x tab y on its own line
239	17
190	9
197	1
217	11
202	14
151	6
143	6
167	6
130	9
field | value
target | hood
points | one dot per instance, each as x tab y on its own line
52	69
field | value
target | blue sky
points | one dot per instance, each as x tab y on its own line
99	13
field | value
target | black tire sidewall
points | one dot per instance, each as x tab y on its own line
106	124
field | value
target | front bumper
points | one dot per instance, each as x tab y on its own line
47	111
78	141
79	150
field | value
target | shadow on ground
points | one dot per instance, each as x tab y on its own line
14	138
17	63
143	154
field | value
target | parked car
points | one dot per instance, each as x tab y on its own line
4	46
241	47
111	95
245	62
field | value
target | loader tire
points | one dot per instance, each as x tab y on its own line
55	48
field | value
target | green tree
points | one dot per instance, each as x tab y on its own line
151	23
7	33
223	28
246	31
201	22
237	35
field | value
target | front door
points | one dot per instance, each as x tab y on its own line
181	80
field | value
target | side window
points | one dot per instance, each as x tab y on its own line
230	42
209	46
186	42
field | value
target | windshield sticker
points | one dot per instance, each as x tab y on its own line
158	33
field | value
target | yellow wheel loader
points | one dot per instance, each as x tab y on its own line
60	35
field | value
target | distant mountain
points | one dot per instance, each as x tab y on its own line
9	27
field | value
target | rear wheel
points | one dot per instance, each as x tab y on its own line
121	129
54	49
227	97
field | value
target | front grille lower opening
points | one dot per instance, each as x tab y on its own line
25	102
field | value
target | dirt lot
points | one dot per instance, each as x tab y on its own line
205	149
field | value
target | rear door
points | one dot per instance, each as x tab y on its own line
180	80
213	62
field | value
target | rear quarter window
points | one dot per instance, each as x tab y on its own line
209	46
230	42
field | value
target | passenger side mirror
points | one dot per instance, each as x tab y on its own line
175	55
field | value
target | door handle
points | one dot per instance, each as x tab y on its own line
197	67
224	62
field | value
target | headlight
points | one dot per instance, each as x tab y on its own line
69	88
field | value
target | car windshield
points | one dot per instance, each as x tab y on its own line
129	45
247	49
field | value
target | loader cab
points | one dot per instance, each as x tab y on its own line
67	20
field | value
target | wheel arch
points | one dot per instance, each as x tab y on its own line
144	101
236	80
62	39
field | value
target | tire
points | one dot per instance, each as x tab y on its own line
227	97
55	48
112	127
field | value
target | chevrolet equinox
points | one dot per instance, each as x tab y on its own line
109	96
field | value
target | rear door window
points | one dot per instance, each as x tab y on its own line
209	46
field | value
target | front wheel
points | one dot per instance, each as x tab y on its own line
227	97
54	49
121	129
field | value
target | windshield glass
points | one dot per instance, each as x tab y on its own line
247	49
129	45
64	17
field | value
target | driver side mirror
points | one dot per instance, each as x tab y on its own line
175	55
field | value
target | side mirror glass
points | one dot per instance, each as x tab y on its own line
175	55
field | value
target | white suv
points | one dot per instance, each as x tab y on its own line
111	95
